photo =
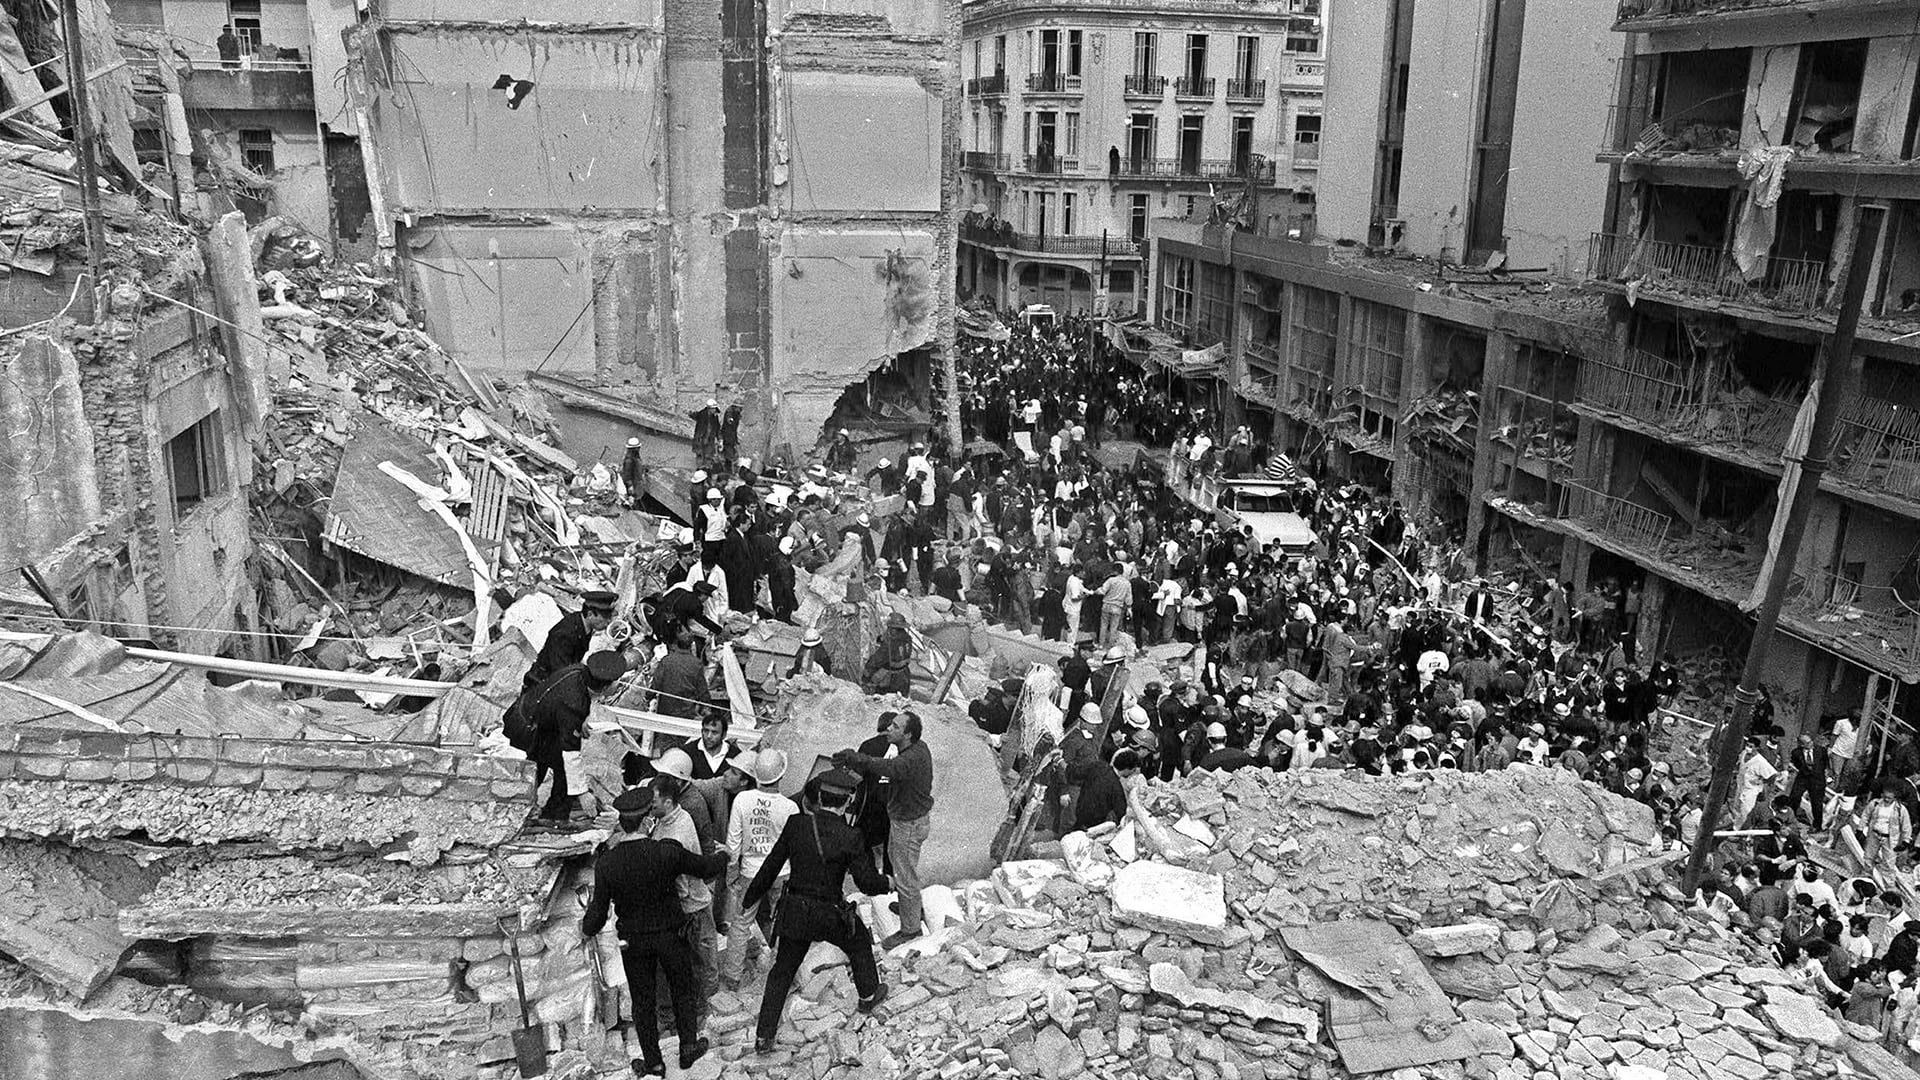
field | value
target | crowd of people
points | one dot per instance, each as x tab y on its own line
1376	649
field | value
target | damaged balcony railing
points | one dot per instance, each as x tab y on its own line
1704	407
1697	270
1879	448
1877	620
1635	527
1635	129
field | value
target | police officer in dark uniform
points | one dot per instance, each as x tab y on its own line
568	640
636	876
821	848
556	711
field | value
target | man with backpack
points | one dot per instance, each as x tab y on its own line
547	721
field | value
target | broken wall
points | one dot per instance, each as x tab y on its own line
647	244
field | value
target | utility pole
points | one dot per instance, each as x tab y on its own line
1838	384
83	144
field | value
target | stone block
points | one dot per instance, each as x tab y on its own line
422	784
235	774
511	789
1171	899
130	771
36	766
1799	1017
375	783
188	771
90	770
327	779
282	778
1459	939
242	751
469	789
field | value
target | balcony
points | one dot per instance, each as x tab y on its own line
1000	234
1246	89
1653	10
1627	523
1051	164
1674	405
259	85
1633	130
1147	86
1697	271
988	85
1187	86
1306	155
984	161
1877	449
1851	617
1260	387
1258	169
1053	83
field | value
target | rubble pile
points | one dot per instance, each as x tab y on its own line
210	880
1533	897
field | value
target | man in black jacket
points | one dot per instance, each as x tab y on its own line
557	712
636	877
568	640
822	849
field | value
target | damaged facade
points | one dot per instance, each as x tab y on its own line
130	409
1603	387
643	207
1088	121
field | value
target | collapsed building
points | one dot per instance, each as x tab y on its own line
639	208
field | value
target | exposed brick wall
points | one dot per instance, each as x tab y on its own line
298	794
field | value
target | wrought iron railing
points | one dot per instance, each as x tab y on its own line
1052	82
1257	168
1701	406
1879	448
1052	164
1190	87
1875	620
1146	85
1246	89
984	159
1698	270
1635	527
987	85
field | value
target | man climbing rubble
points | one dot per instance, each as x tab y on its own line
909	794
567	641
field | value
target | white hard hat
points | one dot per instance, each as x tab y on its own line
711	402
713	493
1137	716
699	475
1215	730
674	763
770	766
884	462
1090	712
634	441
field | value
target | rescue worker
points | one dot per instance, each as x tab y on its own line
710	526
909	795
637	877
680	680
889	666
812	655
634	473
840	453
567	641
556	710
706	430
818	849
754	825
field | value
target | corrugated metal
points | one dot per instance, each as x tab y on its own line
49	490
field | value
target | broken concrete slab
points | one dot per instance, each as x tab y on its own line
1383	1009
59	909
1170	981
1171	899
1799	1017
1456	940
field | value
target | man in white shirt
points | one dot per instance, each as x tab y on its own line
1755	775
1166	604
758	817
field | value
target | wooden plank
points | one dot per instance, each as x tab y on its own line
1019	820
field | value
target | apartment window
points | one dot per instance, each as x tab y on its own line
1827	94
1376	342
1192	132
1067	222
1176	294
1306	128
1493	153
979	48
1242	145
1246	58
1073	53
1146	54
1070	134
1196	56
1026	211
1026	133
1314	317
1137	218
1000	55
997	131
256	149
1140	132
1392	125
244	17
1304	41
1045	223
196	468
1048	61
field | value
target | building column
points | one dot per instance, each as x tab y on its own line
1656	592
1496	371
1413	384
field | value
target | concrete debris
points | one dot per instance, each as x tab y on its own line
1457	940
1172	900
